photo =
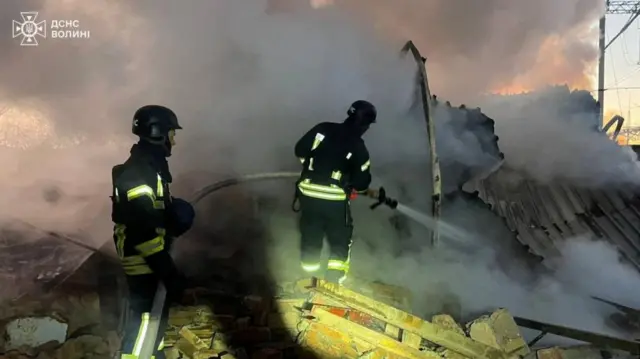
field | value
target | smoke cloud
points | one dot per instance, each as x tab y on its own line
247	80
493	45
567	145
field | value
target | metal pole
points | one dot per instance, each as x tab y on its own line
628	119
427	106
601	45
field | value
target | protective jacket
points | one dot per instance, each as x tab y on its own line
144	216
335	162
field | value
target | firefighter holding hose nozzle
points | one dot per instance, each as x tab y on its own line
146	220
336	165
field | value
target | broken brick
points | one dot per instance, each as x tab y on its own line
191	340
220	342
550	353
498	330
447	322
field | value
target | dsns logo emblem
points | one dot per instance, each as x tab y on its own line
29	29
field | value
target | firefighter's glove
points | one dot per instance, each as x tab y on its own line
182	217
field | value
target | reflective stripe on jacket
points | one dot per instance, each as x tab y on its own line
327	149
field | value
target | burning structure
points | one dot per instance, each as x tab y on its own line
64	299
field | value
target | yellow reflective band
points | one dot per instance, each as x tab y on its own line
135	265
317	140
120	238
141	269
116	195
338	265
158	204
302	159
142	334
336	175
133	260
322	195
311	164
161	345
140	191
160	187
306	184
365	166
151	247
310	267
330	193
349	155
322	192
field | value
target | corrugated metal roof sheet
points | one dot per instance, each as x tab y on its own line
544	215
32	260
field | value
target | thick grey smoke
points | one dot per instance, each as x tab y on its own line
491	45
246	83
551	135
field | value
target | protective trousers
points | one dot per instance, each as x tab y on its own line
142	290
319	217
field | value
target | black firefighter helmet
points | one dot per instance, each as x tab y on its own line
154	123
361	115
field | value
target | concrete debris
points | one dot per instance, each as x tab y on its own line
315	320
90	346
447	322
330	322
85	346
78	310
500	331
65	325
33	332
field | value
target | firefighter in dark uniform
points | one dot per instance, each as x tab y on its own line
335	166
146	220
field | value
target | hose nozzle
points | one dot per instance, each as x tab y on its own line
381	196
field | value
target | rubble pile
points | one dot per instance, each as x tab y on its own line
306	319
73	314
56	326
329	322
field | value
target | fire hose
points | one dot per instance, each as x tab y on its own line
206	191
